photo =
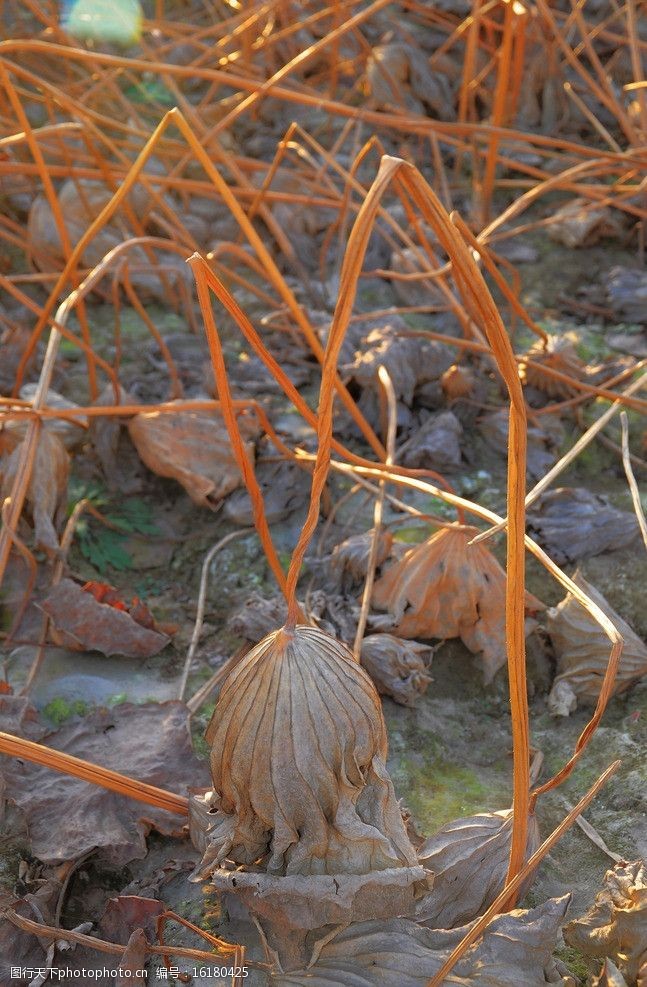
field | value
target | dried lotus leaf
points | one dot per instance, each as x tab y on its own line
410	361
457	382
469	858
576	224
572	523
81	201
351	555
398	74
446	588
398	667
66	817
514	951
71	431
582	650
313	901
435	445
82	622
47	490
610	976
616	924
626	294
557	353
193	448
258	617
298	763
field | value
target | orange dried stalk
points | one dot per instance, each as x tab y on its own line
445	588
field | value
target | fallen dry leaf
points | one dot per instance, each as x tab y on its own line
131	965
445	588
127	912
87	618
469	858
398	667
457	382
543	443
13	344
68	817
577	225
558	353
626	294
333	613
258	617
81	201
616	924
582	650
515	951
19	717
193	448
70	431
610	976
22	949
409	361
398	74
106	434
572	523
289	907
47	491
285	488
435	445
350	557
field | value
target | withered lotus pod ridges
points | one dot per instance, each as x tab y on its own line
298	761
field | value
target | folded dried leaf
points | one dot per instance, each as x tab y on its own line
70	431
81	201
626	293
289	907
350	557
543	443
298	763
457	382
577	225
83	619
13	344
67	817
47	489
399	74
285	488
610	976
572	523
616	924
582	650
435	445
469	858
447	588
17	947
516	949
398	667
258	617
193	448
558	353
409	361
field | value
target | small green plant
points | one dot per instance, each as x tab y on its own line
59	710
103	544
